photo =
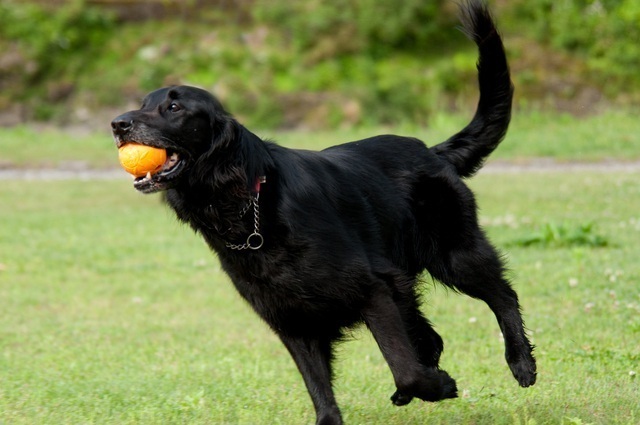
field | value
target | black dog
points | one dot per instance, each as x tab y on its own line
318	242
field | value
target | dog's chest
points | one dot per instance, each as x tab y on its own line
292	300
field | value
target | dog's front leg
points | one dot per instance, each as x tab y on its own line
412	378
313	357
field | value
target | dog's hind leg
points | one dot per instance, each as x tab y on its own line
474	268
425	340
313	358
412	378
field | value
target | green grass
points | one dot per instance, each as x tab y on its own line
112	312
26	146
563	138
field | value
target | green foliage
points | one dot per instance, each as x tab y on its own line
56	40
563	235
605	32
315	63
59	43
369	50
344	27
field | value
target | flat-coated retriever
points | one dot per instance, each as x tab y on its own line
318	242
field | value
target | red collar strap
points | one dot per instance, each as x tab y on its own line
259	181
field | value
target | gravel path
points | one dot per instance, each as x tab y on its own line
493	167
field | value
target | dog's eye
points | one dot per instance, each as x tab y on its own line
174	107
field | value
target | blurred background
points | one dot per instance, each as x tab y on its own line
310	64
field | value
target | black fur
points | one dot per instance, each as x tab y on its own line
347	231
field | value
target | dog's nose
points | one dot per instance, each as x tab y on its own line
121	125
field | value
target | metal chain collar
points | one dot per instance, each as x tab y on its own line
255	239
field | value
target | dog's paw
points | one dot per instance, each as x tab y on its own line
445	387
435	385
524	370
400	399
449	387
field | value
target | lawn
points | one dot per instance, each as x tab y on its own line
113	313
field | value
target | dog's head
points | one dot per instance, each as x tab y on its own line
186	121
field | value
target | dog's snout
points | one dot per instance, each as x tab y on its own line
121	125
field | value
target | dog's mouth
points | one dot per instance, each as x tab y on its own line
164	179
167	176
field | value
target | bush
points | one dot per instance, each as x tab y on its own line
314	62
373	52
58	44
324	29
605	32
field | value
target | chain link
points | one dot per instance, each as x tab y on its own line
255	239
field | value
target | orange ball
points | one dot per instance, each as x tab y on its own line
138	160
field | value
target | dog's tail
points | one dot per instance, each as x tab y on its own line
467	150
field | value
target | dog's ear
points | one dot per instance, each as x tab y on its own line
256	159
222	167
225	131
